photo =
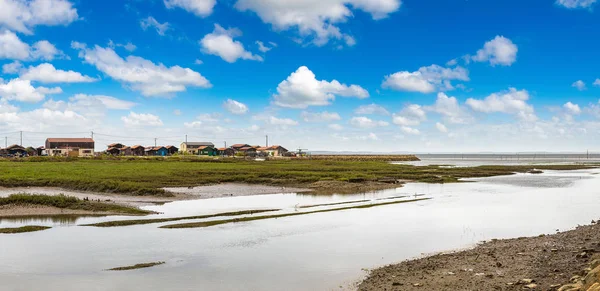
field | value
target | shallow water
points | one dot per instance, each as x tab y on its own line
311	252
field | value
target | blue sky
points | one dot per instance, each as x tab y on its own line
379	75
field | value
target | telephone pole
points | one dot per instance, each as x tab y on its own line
92	135
186	138
21	138
6	141
267	140
155	141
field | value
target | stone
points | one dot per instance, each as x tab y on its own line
526	281
417	285
531	286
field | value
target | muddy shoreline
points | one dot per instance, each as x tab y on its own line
545	262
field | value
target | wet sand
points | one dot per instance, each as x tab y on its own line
545	262
231	190
34	210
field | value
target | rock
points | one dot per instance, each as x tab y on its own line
531	286
396	284
526	281
583	255
417	285
479	274
450	273
595	263
554	286
554	250
575	279
571	287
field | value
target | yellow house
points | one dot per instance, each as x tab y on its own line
192	147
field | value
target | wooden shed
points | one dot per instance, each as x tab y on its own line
207	151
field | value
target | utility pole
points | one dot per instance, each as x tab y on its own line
6	141
225	144
92	135
21	138
267	140
155	141
186	139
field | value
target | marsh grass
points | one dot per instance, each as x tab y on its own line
28	228
147	176
158	220
136	266
68	202
330	204
253	218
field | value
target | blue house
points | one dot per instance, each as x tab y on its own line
157	151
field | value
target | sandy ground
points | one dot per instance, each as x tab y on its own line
535	263
33	210
232	190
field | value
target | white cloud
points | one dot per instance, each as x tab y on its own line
193	124
272	120
23	16
452	62
151	22
365	122
141	74
449	108
580	85
370	136
441	127
426	79
200	8
410	115
198	62
371	109
320	116
89	105
410	130
576	4
498	51
220	43
141	119
335	126
512	101
46	73
129	47
572	109
12	48
315	19
12	68
263	48
235	107
22	90
301	89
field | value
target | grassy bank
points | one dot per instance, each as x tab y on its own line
136	266
159	220
67	202
148	176
253	218
28	228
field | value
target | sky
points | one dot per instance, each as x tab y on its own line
420	76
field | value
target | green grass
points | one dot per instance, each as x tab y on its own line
28	228
148	176
137	266
68	202
253	218
158	220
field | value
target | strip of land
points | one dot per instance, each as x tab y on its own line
562	261
28	228
159	220
150	177
35	204
253	218
136	266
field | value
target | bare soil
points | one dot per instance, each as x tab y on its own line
546	262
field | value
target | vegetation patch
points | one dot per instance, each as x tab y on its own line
69	202
158	220
28	228
253	218
137	266
148	176
330	204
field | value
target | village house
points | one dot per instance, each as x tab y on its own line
78	147
172	149
192	147
238	146
207	151
247	151
41	151
225	152
16	150
276	151
137	150
157	151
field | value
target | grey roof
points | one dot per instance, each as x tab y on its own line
199	144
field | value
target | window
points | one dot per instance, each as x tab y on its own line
87	151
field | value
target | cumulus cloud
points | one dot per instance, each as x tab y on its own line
572	109
89	105
140	74
441	127
301	89
12	48
512	102
272	120
498	51
411	115
365	122
335	126
141	119
426	79
410	130
320	116
316	20
576	4
449	108
47	73
220	43
23	16
264	48
43	119
22	90
235	107
151	22
580	85
200	8
12	68
371	109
